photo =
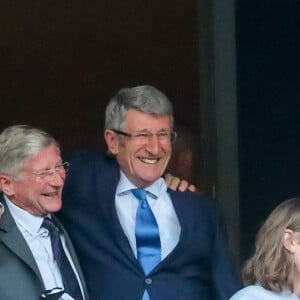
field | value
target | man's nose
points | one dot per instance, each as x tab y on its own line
154	144
57	179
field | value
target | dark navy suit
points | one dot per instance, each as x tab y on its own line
198	268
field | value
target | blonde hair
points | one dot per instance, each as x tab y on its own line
270	264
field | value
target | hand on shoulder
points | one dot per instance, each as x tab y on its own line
175	183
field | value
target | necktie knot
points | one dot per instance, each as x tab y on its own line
49	225
140	194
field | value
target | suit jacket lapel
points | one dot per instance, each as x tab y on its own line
121	239
106	195
178	203
11	236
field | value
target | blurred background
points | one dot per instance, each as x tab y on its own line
231	69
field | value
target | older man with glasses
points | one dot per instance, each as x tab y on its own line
136	238
37	259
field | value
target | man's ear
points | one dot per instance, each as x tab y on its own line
112	141
290	240
6	185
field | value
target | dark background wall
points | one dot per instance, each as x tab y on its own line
60	62
268	47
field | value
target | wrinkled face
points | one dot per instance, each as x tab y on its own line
142	160
38	196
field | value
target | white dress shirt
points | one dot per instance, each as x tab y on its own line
162	208
39	242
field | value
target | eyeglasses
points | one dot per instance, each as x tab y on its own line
61	169
143	137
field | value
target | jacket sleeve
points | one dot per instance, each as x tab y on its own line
224	275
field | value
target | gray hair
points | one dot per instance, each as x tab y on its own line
144	98
18	144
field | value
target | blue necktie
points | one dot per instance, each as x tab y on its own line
147	235
70	281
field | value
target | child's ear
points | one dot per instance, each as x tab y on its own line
290	240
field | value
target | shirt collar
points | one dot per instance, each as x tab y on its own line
23	218
157	188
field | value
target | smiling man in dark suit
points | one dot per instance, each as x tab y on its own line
136	238
32	176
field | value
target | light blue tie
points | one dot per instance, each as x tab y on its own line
147	235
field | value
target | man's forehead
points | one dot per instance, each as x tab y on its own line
46	157
135	116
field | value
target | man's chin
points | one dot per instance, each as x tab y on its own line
54	207
146	181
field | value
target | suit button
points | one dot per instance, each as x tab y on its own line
148	281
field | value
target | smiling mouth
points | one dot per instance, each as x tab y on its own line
149	161
52	194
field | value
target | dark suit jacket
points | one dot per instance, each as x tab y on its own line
198	268
20	277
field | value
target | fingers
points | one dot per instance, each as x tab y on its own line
192	188
172	181
184	185
175	183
